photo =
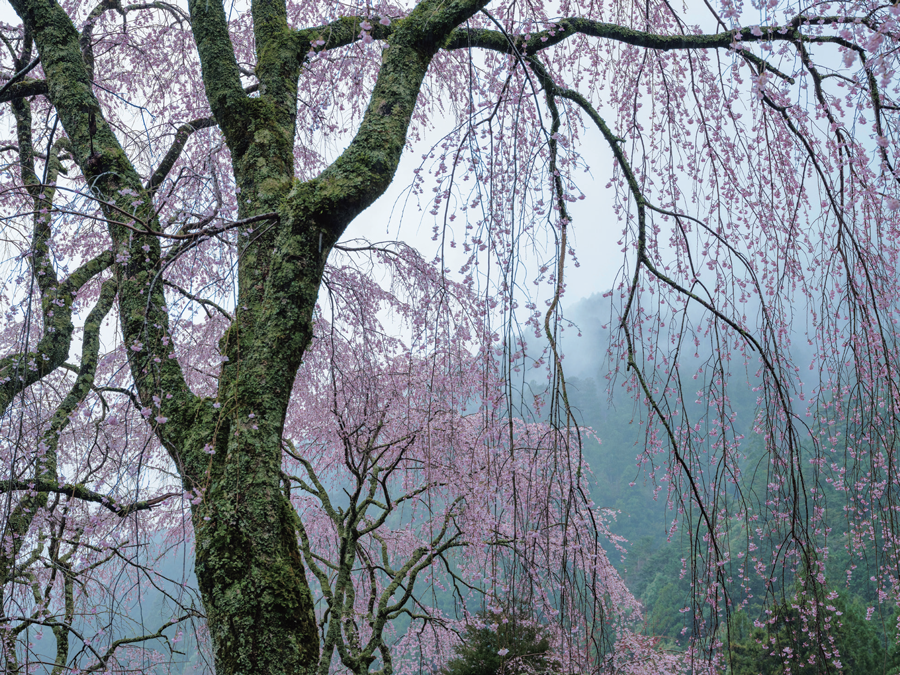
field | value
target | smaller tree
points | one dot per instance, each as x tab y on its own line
784	640
506	642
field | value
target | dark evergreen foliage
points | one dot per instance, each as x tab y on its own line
499	642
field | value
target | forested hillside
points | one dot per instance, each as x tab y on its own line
657	565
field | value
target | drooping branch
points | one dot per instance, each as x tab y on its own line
799	533
641	203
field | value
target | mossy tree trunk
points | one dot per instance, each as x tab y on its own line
250	571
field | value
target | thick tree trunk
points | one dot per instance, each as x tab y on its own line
258	604
248	562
